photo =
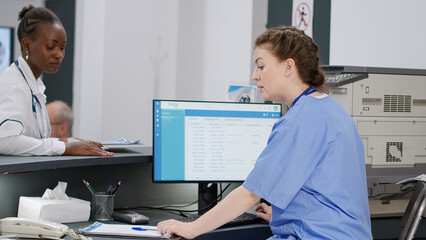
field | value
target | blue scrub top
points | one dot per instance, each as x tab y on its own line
313	173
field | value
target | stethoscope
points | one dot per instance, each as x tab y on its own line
308	91
36	101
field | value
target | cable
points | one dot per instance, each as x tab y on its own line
76	236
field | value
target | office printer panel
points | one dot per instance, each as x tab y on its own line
343	95
394	151
390	96
388	126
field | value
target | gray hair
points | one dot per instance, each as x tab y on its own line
64	114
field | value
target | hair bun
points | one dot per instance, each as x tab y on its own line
319	79
24	11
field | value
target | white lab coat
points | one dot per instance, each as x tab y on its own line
21	133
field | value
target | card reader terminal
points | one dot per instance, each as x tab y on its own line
131	217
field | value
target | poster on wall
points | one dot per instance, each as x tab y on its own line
6	50
303	12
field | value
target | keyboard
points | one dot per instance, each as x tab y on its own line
244	219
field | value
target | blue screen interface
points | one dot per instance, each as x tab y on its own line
209	141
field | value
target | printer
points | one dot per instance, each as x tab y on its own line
388	106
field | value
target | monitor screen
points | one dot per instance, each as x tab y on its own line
209	141
6	47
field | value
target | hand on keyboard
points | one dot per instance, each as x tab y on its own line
265	211
244	219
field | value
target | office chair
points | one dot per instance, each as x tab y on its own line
414	212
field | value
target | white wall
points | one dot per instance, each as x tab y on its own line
130	52
379	33
89	68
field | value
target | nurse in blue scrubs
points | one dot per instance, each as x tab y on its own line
312	170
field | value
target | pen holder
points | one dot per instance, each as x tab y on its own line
98	212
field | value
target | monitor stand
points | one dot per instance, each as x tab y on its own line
207	195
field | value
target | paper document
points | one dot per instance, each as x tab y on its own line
420	178
127	230
121	141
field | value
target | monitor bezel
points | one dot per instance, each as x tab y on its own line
12	42
195	101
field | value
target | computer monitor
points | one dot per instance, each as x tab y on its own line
6	47
209	142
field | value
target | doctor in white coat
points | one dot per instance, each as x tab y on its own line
24	123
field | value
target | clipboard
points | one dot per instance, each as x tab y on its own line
124	230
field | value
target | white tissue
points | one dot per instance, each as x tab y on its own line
57	193
54	206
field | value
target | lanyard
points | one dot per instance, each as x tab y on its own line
32	94
308	91
42	135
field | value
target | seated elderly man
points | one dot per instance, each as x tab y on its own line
61	119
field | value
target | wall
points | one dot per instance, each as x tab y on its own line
380	33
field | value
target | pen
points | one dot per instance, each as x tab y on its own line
108	192
92	191
139	229
115	188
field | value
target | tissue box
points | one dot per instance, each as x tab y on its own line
62	211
